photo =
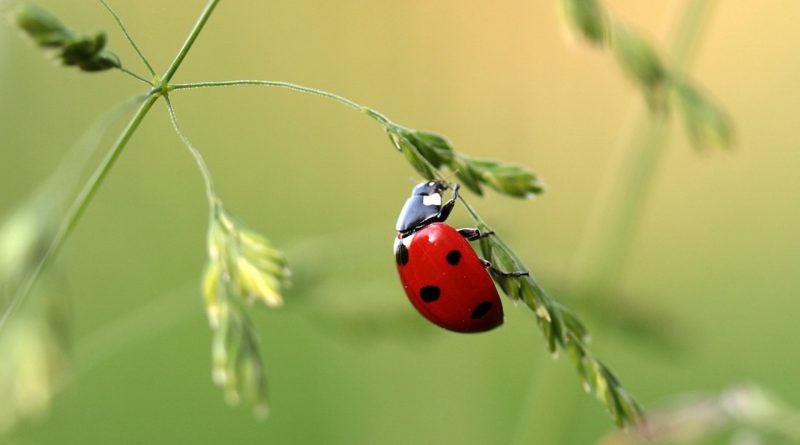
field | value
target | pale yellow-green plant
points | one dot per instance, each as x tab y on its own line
747	414
244	268
35	360
33	347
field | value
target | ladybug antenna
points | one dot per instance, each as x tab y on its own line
448	178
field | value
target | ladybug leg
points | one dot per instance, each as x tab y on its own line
518	273
474	234
447	207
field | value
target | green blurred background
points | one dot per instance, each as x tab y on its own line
348	360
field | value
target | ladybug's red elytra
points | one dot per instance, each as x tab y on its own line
442	275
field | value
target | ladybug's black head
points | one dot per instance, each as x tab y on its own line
429	188
423	207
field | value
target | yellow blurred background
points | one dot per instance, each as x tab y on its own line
348	360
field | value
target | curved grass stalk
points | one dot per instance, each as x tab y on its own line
134	75
382	119
198	157
561	328
130	40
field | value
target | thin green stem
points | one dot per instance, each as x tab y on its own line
693	20
134	75
129	37
65	177
187	45
616	219
198	157
382	119
78	207
472	212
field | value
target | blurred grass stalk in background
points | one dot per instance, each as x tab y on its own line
616	217
622	196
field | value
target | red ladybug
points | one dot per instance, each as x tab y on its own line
443	277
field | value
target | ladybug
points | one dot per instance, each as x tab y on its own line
442	275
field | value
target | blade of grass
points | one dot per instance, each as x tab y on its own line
187	45
130	39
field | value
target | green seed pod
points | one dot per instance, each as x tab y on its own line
46	30
412	155
508	179
707	125
253	268
503	260
104	60
638	59
587	18
433	147
85	52
211	294
467	175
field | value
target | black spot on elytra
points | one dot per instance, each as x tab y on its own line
429	294
401	254
481	310
453	257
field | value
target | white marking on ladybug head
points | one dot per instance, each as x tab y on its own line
434	199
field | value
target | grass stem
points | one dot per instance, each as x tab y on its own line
198	157
78	207
129	38
382	119
135	76
187	45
